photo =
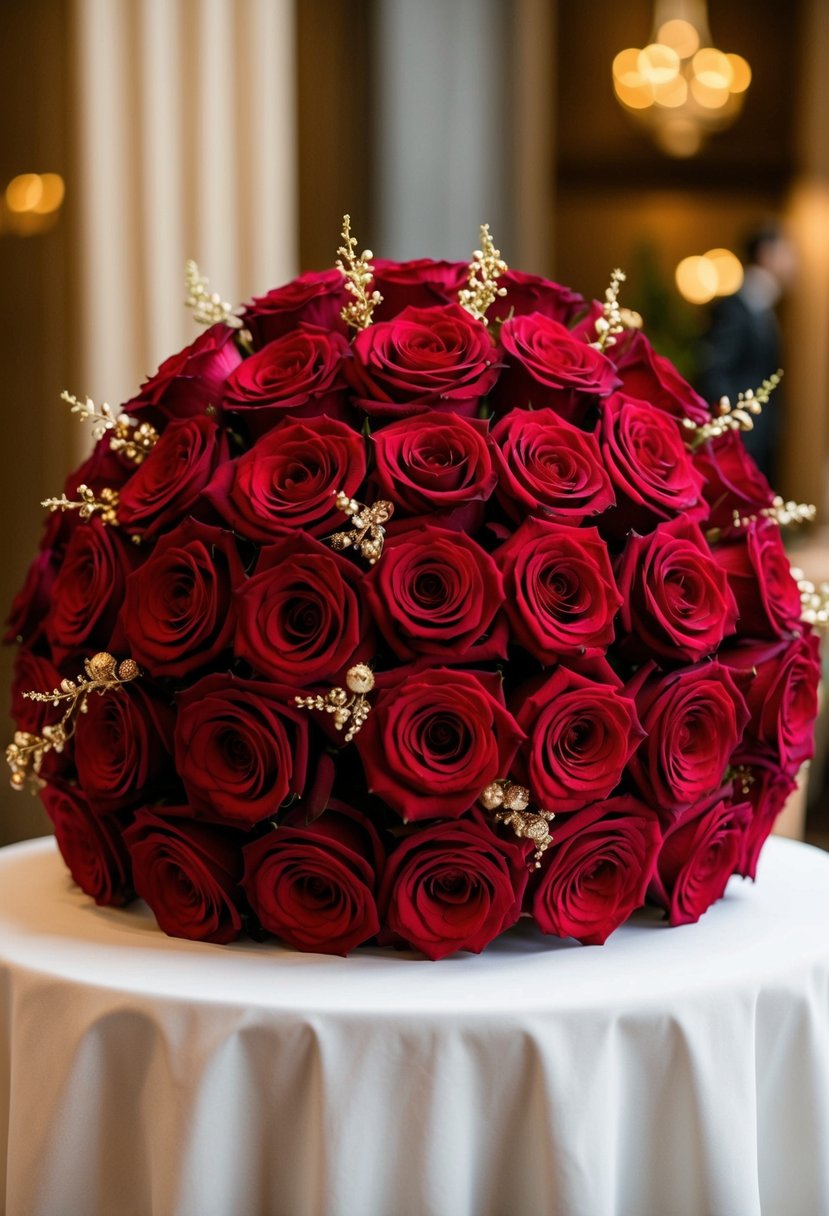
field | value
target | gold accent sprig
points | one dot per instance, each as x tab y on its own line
207	306
102	673
814	600
133	439
614	320
351	711
785	514
358	279
485	270
728	417
88	504
510	802
368	533
742	776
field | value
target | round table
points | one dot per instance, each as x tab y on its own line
669	1072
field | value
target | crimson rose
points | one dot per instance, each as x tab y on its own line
167	485
122	748
760	578
93	848
653	378
733	481
316	298
433	462
527	293
767	788
89	590
780	683
421	283
547	366
190	382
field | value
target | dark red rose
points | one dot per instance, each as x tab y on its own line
32	673
760	577
102	468
167	484
433	462
436	592
653	378
241	748
435	739
676	599
425	359
528	293
93	849
299	375
547	366
421	283
452	886
188	873
650	466
314	885
316	298
122	748
178	608
89	590
290	479
766	787
300	615
700	852
781	682
597	870
32	603
581	733
189	383
547	467
694	719
733	481
561	596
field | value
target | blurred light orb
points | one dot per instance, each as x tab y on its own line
52	192
712	68
24	192
696	279
673	94
708	96
740	74
659	64
680	35
729	270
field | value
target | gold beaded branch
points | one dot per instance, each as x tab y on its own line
133	439
814	600
739	417
614	320
351	710
88	504
358	279
510	802
785	514
485	270
102	673
207	306
368	534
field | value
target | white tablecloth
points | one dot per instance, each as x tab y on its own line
669	1072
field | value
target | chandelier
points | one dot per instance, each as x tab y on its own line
679	86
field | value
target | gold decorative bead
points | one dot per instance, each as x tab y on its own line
516	797
493	796
360	678
18	780
102	666
128	670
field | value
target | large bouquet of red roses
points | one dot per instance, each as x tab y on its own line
422	596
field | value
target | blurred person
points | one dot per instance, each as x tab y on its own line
742	346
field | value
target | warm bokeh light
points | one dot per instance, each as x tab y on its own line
51	196
679	137
729	270
24	192
673	94
696	279
740	74
680	35
712	68
658	64
708	96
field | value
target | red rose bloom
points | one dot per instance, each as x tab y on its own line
32	603
528	293
188	873
433	462
178	608
435	739
547	366
316	298
561	596
581	733
298	375
93	849
653	378
425	359
290	478
452	886
314	885
676	599
767	788
549	468
699	854
436	592
300	616
694	719
33	672
597	870
188	383
418	284
122	749
168	483
760	578
781	682
241	748
732	480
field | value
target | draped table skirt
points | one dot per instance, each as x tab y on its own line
674	1072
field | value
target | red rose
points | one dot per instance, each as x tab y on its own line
649	465
694	719
188	873
241	748
528	293
93	849
581	733
760	577
315	298
676	599
88	591
418	284
298	375
178	608
699	854
653	378
314	885
766	788
548	467
167	484
436	592
732	480
300	617
597	871
32	603
561	596
190	382
102	468
122	748
781	682
433	462
547	366
452	886
32	673
435	739
290	479
425	359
